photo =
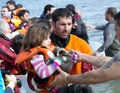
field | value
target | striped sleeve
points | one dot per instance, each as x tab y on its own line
41	68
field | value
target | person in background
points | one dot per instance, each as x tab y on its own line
48	9
49	18
19	22
79	28
4	11
108	67
24	15
17	42
111	45
18	7
62	23
32	21
5	41
47	22
5	31
11	5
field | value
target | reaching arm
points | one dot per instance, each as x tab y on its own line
93	60
108	71
109	35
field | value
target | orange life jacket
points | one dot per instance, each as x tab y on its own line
16	21
21	31
78	44
16	11
26	56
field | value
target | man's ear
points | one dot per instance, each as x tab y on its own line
52	23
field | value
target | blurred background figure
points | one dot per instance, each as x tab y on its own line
11	5
79	28
48	9
111	45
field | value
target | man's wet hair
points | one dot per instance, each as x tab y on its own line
112	11
60	12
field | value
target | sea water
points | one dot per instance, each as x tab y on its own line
92	13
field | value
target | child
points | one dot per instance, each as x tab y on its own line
40	60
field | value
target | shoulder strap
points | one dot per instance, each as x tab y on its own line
24	56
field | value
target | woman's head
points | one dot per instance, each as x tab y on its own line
35	36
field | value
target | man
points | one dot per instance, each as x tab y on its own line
48	9
62	24
110	45
109	67
4	10
79	28
11	5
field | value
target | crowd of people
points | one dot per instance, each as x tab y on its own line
53	50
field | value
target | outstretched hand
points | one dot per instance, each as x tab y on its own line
77	53
59	81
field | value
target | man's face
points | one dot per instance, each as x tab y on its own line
52	10
117	28
3	11
107	16
63	26
11	7
26	17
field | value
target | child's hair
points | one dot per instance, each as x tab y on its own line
17	42
35	36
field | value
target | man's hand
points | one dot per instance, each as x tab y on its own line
60	81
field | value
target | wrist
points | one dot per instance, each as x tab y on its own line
66	79
57	61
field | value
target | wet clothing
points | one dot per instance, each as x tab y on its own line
76	43
113	49
110	46
72	42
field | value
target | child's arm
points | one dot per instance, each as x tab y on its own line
63	73
41	68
